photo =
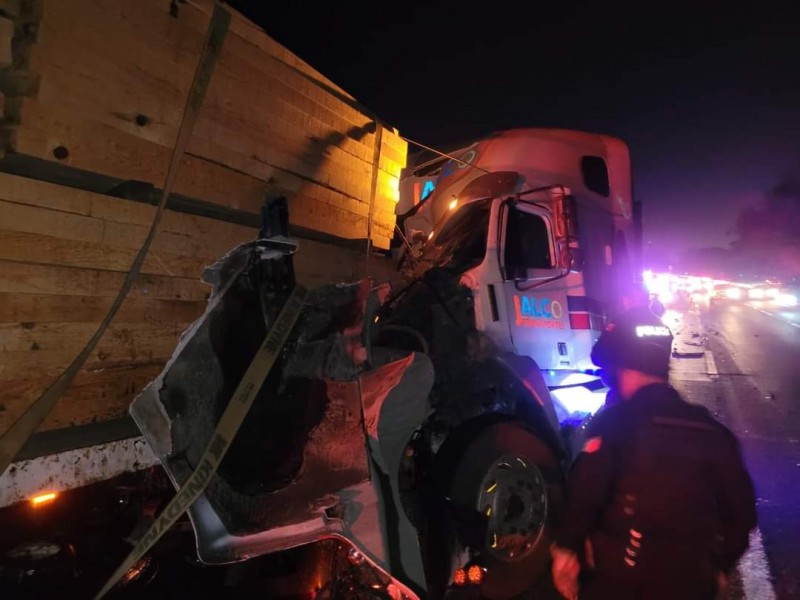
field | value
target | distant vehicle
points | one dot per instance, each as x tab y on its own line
763	291
787	297
767	293
729	292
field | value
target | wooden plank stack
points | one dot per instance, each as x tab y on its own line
101	86
98	87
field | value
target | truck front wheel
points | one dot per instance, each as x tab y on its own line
514	479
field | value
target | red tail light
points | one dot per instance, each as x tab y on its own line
475	574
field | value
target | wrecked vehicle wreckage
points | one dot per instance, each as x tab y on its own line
388	421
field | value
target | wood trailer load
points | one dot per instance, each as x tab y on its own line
93	96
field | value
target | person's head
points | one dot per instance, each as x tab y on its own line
633	351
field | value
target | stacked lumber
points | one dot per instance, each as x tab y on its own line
101	85
64	254
98	88
9	12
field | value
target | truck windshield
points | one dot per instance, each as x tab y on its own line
527	243
462	240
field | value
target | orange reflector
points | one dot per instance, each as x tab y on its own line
475	575
460	577
136	570
43	498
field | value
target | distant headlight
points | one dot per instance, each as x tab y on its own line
772	293
787	300
733	293
755	294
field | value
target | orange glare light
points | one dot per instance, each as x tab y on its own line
460	577
45	498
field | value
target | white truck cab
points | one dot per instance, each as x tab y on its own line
540	223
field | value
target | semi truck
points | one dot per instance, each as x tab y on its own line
542	225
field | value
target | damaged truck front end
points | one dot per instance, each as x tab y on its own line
387	421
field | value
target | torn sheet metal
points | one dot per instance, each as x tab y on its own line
302	441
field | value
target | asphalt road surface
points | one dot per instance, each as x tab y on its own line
742	361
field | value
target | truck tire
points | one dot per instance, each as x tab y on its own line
512	477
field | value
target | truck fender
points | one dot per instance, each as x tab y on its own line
395	403
529	374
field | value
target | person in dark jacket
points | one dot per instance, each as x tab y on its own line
660	504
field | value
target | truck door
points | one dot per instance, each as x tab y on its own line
533	284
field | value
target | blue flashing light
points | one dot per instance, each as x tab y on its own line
574	422
578	400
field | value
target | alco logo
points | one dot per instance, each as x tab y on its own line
538	312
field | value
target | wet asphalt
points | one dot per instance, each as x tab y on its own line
749	377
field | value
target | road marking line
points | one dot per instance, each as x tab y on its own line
794	324
711	364
769	314
755	571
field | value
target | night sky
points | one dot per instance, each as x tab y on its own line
707	95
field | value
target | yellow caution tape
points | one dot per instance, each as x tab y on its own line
224	434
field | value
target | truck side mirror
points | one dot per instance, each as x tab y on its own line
566	225
570	216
